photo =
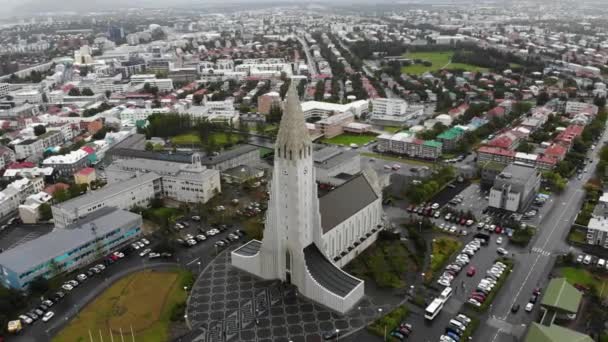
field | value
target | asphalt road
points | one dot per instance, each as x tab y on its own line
532	269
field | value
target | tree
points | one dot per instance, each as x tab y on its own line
74	92
542	98
525	147
45	212
275	114
100	134
87	92
149	146
39	130
108	94
39	286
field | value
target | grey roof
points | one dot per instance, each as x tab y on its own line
249	249
107	191
327	274
344	201
185	158
61	240
515	174
330	157
134	142
161	167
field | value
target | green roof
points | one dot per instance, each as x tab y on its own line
432	143
554	333
451	134
562	296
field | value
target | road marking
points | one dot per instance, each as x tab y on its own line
193	261
497	333
539	255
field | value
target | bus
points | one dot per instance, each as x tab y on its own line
446	294
433	309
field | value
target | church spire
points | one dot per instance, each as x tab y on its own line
293	141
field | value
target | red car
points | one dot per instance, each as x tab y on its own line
536	291
498	230
471	271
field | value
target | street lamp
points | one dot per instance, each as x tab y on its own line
337	334
186	288
199	266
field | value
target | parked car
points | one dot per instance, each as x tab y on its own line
529	307
47	316
471	271
502	251
515	308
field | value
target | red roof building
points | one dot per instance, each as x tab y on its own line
556	151
458	111
567	136
496	112
51	189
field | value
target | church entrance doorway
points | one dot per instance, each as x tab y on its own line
287	266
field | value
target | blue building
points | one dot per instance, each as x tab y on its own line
67	249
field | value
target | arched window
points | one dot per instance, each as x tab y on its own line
290	155
300	154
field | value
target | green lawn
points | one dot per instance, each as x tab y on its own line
439	59
386	263
576	235
584	277
388	322
347	139
442	250
391	129
142	301
220	139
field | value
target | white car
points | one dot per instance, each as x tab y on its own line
201	237
211	232
81	277
119	255
145	241
67	287
435	206
47	316
529	307
145	252
135	246
25	319
442	226
587	259
499	240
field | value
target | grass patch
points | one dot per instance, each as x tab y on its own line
391	129
577	236
265	151
347	139
442	250
501	281
143	301
386	262
388	322
470	330
439	59
397	159
584	277
162	215
521	237
188	139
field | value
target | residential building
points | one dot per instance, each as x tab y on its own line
51	139
65	250
85	176
515	188
190	183
7	156
138	191
16	192
30	149
566	137
267	101
597	228
32	96
29	211
450	138
67	165
406	143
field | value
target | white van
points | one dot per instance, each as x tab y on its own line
601	263
446	294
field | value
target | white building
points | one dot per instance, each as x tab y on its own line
325	109
392	107
190	183
27	95
32	149
29	211
16	192
307	239
138	191
163	84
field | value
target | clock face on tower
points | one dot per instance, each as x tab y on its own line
305	170
285	172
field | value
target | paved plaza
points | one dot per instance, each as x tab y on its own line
229	305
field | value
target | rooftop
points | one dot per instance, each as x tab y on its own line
562	296
330	157
105	192
554	333
344	201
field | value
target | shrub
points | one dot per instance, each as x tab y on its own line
389	321
178	311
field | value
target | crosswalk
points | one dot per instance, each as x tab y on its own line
541	251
